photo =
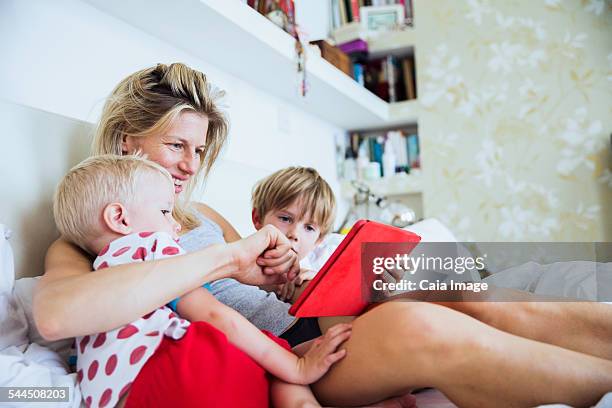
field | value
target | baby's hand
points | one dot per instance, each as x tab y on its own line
322	354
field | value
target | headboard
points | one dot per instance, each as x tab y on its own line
38	148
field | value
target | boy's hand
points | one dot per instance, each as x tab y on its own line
286	291
305	275
322	354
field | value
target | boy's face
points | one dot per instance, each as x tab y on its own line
303	234
151	210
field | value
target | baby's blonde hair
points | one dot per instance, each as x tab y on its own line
302	184
90	186
148	102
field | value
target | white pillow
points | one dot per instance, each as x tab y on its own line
12	320
432	230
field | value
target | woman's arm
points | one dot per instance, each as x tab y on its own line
200	305
70	301
229	232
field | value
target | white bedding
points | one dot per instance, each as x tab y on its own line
23	363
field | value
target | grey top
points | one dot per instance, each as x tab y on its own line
261	308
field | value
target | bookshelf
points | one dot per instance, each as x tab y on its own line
392	48
240	41
398	185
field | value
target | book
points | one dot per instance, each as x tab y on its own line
358	74
340	288
355	46
355	10
343	14
414	158
349	10
335	14
391	72
408	73
376	145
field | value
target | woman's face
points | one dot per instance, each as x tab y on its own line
178	150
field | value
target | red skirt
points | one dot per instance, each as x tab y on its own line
202	369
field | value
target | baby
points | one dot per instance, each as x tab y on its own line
120	207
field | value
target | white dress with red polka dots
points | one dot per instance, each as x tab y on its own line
108	363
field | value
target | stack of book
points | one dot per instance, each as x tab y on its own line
391	78
347	11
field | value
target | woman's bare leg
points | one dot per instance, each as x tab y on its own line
398	346
580	326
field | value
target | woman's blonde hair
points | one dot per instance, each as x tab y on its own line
91	185
147	102
296	184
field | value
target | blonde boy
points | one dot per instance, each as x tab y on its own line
120	207
300	203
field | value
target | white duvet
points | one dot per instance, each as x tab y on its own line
22	363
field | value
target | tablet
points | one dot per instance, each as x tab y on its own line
337	288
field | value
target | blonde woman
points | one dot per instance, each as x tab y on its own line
170	114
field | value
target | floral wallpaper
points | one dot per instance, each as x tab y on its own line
516	101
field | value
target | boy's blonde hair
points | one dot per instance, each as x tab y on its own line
302	184
93	184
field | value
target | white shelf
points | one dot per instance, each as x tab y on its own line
244	43
399	43
400	184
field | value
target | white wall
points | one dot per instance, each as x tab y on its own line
65	56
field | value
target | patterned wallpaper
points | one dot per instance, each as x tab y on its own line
516	99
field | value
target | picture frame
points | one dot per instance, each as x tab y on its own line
381	18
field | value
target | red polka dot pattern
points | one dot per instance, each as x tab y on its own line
88	402
154	247
99	341
127	331
104	250
111	364
93	370
79	376
105	398
121	251
125	389
153	333
140	254
103	265
137	354
83	343
170	250
145	234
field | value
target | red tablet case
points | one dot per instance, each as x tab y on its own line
337	288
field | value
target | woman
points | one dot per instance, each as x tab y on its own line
168	113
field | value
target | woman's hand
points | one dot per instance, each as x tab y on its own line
264	258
